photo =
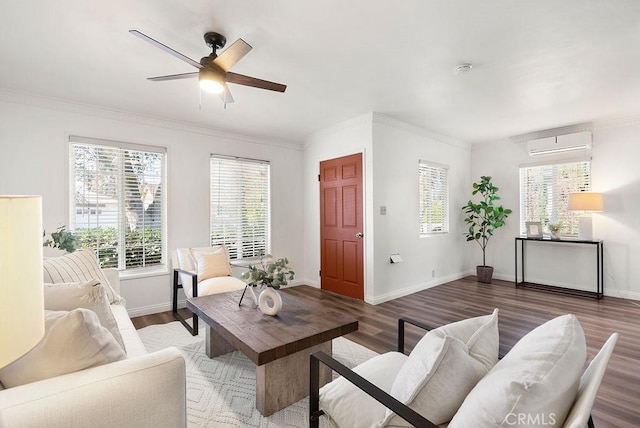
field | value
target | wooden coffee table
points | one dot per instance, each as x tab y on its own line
279	346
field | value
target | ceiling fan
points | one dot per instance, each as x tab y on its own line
213	72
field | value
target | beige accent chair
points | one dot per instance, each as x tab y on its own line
185	276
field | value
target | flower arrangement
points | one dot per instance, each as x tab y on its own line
272	273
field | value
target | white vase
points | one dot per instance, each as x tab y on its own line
269	294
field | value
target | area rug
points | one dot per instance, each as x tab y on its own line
221	391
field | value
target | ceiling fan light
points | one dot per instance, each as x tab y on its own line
211	86
211	81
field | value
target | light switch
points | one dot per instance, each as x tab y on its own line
383	210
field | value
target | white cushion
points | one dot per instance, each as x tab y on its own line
537	380
80	266
221	284
72	341
89	295
211	263
130	337
185	261
444	366
348	406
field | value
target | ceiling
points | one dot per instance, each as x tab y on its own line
537	64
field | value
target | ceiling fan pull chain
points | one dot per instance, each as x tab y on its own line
200	100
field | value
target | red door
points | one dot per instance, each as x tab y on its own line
341	232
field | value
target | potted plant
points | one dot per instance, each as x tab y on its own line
554	230
483	218
270	274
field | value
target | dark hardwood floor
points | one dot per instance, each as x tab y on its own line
521	310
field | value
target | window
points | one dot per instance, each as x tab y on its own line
544	193
240	206
434	198
117	199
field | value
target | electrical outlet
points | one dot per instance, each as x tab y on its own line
433	273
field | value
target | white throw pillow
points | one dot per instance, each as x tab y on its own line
211	262
72	341
80	266
535	384
349	406
444	366
88	295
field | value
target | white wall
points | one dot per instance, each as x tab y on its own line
615	172
391	153
427	261
33	160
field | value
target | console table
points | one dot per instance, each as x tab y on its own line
599	266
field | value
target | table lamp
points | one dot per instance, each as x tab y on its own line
21	284
586	202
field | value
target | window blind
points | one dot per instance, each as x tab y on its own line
240	206
117	203
434	198
544	194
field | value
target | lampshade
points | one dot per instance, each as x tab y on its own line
21	289
585	201
211	80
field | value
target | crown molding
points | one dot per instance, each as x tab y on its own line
366	118
383	119
140	119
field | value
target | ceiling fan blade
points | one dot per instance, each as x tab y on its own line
240	79
165	48
232	54
173	77
225	96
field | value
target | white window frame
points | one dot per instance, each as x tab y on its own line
121	148
554	193
229	205
433	188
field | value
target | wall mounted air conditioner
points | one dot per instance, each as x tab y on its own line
578	142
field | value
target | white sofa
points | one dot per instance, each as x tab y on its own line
144	390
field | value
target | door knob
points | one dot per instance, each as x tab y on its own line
359	235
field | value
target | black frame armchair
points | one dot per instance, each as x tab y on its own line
387	400
579	413
176	315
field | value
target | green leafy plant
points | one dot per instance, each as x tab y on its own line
555	227
62	239
272	273
484	217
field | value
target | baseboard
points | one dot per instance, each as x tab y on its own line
631	295
152	309
413	289
308	282
608	291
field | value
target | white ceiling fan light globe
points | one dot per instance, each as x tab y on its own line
211	86
211	81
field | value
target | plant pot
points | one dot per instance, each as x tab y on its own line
270	295
485	273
